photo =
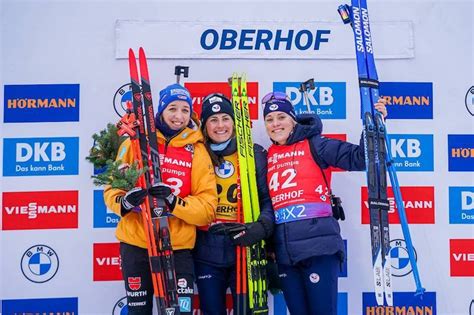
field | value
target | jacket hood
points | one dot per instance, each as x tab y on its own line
308	125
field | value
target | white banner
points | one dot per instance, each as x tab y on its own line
258	40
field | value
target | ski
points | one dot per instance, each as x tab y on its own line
257	287
377	156
154	210
159	214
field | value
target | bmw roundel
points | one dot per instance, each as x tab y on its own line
39	263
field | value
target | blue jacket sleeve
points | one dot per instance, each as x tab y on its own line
267	217
342	154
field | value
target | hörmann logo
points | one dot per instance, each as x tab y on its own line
31	210
328	99
263	39
404	303
107	262
461	257
461	153
40	156
461	205
41	103
418	202
408	100
199	90
57	306
411	152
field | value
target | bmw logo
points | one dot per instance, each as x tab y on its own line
400	261
120	308
39	263
225	170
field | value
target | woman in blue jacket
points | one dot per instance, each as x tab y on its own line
215	255
308	245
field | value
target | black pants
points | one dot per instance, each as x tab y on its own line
138	283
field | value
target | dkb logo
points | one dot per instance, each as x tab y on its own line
40	156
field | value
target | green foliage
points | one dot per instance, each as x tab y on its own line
118	175
106	145
102	156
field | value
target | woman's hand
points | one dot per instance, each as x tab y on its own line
380	106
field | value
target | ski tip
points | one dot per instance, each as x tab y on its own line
131	54
141	51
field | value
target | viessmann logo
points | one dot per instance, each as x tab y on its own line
461	257
199	90
41	103
31	210
418	202
107	262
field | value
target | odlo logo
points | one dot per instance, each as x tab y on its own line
39	263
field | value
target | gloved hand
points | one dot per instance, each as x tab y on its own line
133	199
254	233
163	191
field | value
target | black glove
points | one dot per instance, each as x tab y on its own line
227	228
163	191
254	233
133	199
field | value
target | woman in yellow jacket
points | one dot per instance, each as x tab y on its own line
188	188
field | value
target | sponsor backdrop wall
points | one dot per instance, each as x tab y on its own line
64	69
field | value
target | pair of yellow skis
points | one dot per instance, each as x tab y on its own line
253	257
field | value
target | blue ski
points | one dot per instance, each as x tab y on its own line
377	157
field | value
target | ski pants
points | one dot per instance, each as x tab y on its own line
310	286
212	283
138	283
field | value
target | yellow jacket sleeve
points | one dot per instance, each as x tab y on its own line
199	207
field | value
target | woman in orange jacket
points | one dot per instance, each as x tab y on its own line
189	190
